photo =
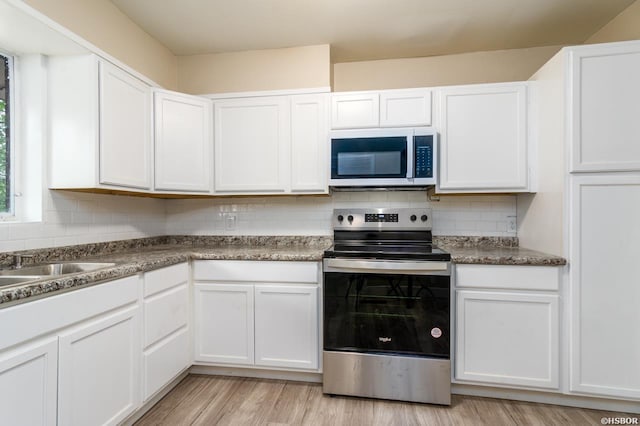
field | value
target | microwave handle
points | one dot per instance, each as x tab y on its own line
410	156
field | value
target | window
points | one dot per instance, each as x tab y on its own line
6	205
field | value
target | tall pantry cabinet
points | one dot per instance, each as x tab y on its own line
589	116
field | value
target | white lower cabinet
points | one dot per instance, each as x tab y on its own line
99	370
507	338
507	334
166	329
253	313
224	323
28	384
286	326
603	283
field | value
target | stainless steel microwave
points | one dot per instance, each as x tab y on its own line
383	157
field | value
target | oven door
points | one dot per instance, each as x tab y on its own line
387	307
371	157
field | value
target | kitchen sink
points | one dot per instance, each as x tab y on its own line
4	280
51	269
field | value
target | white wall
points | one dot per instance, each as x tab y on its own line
453	215
78	218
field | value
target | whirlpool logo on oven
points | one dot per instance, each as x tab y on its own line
384	339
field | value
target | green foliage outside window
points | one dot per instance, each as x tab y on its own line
4	140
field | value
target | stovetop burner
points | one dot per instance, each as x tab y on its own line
374	251
384	234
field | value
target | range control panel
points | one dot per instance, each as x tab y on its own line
382	219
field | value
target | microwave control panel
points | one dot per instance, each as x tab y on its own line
423	156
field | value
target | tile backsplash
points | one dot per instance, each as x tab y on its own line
80	218
484	215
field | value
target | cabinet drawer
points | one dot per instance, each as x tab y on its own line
164	278
62	310
165	361
246	270
508	277
164	313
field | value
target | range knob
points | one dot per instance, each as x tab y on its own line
424	218
350	218
340	218
413	218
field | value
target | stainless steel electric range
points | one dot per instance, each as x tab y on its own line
386	307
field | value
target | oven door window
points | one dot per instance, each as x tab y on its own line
381	157
384	313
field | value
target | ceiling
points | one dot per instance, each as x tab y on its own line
369	29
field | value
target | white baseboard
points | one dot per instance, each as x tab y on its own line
296	376
542	397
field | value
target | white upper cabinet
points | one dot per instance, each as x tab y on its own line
483	138
100	126
604	108
355	110
411	107
183	142
125	129
252	141
387	108
309	143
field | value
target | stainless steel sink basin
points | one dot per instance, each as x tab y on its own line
4	280
51	269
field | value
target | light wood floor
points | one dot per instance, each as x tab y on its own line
212	400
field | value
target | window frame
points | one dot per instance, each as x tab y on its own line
11	215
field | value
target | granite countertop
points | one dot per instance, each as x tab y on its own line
132	260
494	251
146	254
502	256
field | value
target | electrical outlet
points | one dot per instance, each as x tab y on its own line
512	226
230	221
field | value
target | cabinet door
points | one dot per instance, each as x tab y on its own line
252	144
125	129
309	143
355	110
28	384
99	374
604	107
286	326
483	138
405	108
224	323
183	142
507	338
165	360
603	282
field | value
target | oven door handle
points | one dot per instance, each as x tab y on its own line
387	267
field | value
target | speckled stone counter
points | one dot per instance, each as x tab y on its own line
494	251
146	254
133	256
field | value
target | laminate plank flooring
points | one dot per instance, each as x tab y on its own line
218	400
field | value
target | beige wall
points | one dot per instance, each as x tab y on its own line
466	68
270	69
101	23
541	215
625	26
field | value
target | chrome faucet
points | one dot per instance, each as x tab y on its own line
17	259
